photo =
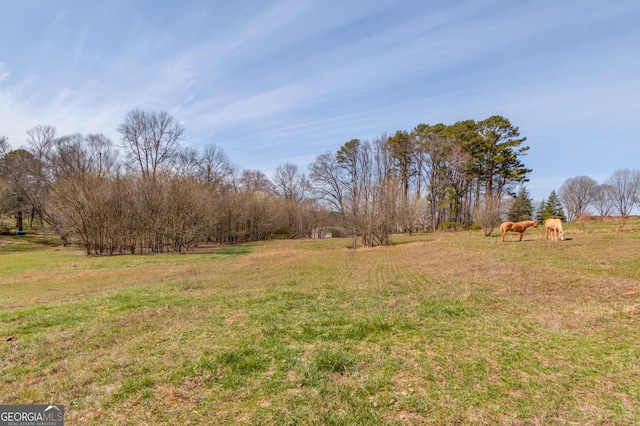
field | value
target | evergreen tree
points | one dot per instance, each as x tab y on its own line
522	207
541	211
495	156
552	208
546	211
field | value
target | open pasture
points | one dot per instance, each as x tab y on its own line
443	328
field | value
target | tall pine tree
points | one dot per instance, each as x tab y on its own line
522	207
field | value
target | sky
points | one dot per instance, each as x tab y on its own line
274	82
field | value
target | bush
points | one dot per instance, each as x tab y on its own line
449	226
4	229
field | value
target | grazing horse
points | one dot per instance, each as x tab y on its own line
516	227
554	227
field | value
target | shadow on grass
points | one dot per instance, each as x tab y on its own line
402	239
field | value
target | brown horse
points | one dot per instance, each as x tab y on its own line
516	227
554	227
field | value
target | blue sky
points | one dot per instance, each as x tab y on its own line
283	81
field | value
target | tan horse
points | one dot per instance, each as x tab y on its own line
554	227
516	227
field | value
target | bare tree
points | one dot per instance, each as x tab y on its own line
294	189
186	219
83	197
327	178
392	210
625	190
76	154
4	150
291	184
487	214
373	194
256	181
602	200
214	166
18	187
577	195
4	147
361	184
80	207
186	162
40	140
151	140
104	157
251	207
69	157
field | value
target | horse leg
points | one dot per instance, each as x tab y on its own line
521	234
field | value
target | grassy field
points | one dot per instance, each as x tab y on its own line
444	328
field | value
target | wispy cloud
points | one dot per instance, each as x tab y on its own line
284	80
4	72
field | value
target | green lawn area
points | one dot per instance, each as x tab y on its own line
443	328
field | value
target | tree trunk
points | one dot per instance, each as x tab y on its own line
19	220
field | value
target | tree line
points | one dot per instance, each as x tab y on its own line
150	193
433	177
582	197
618	195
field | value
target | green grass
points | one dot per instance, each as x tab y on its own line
445	328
